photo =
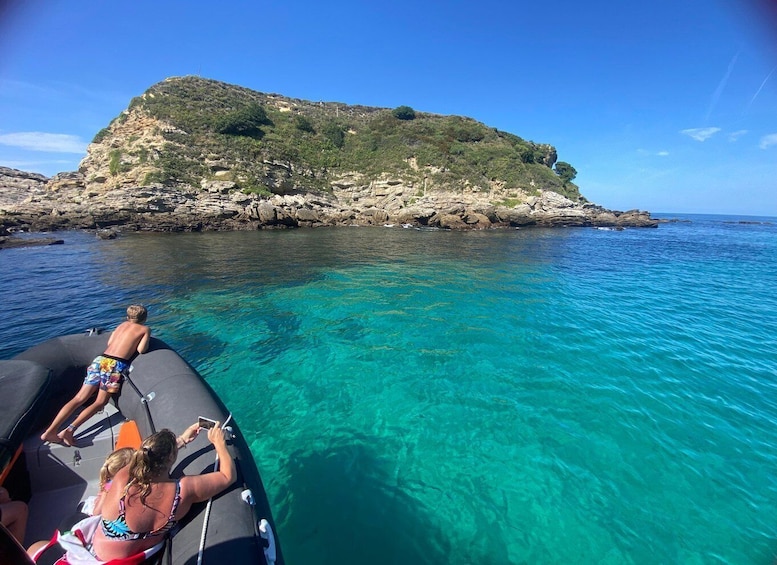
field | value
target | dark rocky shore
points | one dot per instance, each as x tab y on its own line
32	202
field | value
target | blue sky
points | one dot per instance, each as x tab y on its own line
666	106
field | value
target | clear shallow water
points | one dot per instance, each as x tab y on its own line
532	396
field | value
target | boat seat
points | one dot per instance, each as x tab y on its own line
23	390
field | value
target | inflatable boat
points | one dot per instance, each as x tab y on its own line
162	391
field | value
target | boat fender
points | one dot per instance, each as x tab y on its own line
266	532
248	497
129	436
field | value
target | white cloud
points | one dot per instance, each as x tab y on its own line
768	140
760	88
721	86
733	136
700	134
41	141
646	153
31	165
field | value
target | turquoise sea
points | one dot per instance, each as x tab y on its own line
518	396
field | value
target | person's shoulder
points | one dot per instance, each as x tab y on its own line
118	483
121	477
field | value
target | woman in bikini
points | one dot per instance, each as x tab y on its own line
144	503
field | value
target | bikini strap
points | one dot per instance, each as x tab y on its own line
176	501
171	519
122	507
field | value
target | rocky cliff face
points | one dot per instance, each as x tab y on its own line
18	186
124	157
68	201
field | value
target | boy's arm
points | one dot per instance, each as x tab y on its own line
144	341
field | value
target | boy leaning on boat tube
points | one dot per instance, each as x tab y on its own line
104	375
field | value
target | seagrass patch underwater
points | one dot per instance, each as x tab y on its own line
537	396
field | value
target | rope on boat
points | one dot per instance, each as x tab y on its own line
206	519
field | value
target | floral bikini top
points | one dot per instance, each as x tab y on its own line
119	530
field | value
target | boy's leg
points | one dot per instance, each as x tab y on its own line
66	411
102	399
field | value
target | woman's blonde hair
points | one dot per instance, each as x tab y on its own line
115	461
157	452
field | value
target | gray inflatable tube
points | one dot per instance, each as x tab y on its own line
164	391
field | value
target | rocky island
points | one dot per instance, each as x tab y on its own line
195	154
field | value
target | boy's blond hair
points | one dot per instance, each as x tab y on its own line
113	464
137	313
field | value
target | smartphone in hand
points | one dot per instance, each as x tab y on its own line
206	423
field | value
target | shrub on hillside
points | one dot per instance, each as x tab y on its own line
303	124
334	133
566	171
246	121
404	113
100	135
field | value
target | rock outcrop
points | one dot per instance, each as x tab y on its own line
32	202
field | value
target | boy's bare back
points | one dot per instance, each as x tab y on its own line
131	336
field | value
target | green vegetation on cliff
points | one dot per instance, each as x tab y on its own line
243	133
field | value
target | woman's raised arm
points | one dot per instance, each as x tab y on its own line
203	487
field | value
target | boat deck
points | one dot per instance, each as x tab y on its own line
62	476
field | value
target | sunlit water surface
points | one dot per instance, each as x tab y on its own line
516	396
